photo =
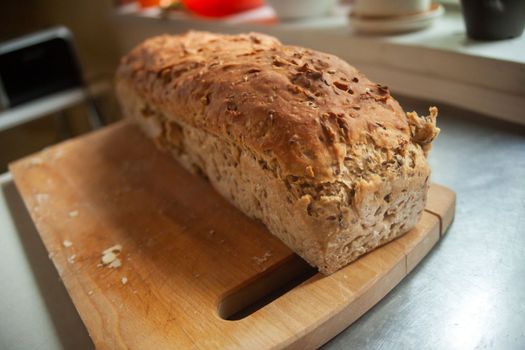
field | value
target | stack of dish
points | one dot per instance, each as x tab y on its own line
393	16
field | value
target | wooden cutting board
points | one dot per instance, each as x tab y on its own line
195	272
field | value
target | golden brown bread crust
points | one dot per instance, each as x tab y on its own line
296	138
304	107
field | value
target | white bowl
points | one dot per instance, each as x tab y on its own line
295	9
389	8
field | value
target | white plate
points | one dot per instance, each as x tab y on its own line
399	24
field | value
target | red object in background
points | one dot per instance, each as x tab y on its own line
148	3
220	8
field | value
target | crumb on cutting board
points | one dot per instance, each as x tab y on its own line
73	214
36	161
71	259
41	197
262	259
67	243
110	256
124	280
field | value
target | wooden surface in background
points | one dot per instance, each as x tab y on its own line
188	256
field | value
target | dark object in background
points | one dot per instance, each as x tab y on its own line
40	68
37	65
494	19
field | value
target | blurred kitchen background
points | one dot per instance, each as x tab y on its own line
418	48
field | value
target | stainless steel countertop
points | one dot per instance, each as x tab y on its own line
469	292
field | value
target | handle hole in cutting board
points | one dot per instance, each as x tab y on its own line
253	295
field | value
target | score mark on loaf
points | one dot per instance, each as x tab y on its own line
296	138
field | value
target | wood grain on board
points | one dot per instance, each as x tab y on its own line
190	260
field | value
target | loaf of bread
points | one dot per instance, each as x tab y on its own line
296	138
